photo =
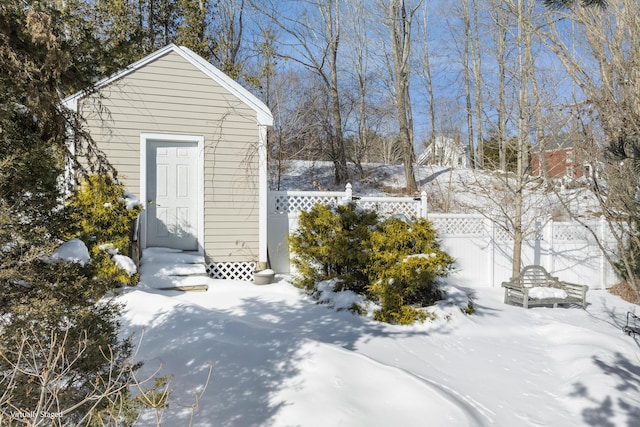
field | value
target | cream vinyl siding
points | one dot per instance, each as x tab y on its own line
171	96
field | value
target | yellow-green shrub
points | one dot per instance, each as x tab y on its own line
404	262
395	263
101	218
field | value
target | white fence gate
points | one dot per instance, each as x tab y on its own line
482	249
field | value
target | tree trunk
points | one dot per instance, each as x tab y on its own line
518	236
467	79
340	159
400	33
525	72
500	39
477	73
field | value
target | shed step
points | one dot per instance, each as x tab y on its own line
176	282
172	269
162	257
197	288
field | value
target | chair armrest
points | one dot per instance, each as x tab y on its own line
575	286
512	285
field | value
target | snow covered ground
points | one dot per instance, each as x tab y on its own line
280	359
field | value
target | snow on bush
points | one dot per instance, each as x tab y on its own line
340	300
125	263
405	261
131	202
331	243
73	250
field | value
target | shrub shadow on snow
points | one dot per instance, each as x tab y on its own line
255	348
321	323
627	374
461	297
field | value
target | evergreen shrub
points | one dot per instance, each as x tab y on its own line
59	344
61	348
331	243
405	260
393	262
101	216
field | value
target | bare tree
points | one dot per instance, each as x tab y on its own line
356	40
299	105
40	366
466	76
568	3
513	31
607	73
476	56
500	29
428	82
314	34
227	31
399	20
272	78
465	31
523	11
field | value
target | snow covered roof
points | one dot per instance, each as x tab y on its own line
263	113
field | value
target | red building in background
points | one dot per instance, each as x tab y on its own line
561	160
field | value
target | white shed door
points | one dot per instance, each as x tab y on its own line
172	193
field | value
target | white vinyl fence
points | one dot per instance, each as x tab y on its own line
481	248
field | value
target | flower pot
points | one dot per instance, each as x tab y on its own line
263	277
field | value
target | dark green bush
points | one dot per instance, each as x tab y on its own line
331	243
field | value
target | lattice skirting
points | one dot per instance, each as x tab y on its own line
232	270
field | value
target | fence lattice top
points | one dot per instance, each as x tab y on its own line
287	202
389	208
284	204
459	225
571	232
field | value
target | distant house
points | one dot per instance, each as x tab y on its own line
190	143
559	157
446	151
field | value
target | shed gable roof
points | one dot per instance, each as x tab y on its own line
263	113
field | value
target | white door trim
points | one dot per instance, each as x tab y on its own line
145	139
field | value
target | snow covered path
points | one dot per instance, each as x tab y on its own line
279	359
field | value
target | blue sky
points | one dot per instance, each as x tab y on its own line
445	44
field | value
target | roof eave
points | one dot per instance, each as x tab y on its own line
264	114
